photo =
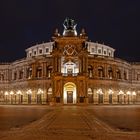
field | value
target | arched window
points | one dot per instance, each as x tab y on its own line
110	73
20	96
49	94
15	75
1	77
29	96
138	77
29	73
39	96
100	72
90	95
110	92
100	96
125	75
118	74
90	71
49	71
120	97
39	72
21	74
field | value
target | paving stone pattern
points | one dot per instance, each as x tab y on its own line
68	123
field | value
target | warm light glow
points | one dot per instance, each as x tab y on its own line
121	92
133	93
72	88
89	91
128	93
40	91
99	91
19	92
6	93
110	91
50	91
11	92
29	91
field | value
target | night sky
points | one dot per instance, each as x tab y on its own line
24	23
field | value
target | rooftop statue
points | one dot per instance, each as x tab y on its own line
69	24
69	27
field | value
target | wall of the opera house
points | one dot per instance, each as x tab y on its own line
110	81
33	92
98	96
99	93
27	96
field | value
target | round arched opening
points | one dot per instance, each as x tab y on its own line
69	93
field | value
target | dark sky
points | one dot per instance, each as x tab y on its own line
24	23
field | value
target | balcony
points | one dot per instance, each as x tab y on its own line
69	74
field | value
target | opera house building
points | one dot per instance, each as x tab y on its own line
70	69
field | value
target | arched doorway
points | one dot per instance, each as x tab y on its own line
69	93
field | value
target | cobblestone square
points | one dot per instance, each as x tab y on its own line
69	122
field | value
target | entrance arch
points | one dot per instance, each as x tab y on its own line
69	93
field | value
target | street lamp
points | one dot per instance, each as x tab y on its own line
29	91
110	91
40	91
99	91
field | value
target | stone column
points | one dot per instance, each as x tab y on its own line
106	97
25	72
59	64
33	70
96	70
105	71
43	69
114	72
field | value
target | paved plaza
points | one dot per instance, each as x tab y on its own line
69	122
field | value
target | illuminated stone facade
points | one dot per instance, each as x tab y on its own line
70	70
